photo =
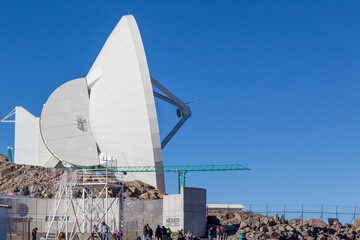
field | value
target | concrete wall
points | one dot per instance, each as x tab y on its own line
139	212
3	222
180	211
186	210
136	214
173	211
195	210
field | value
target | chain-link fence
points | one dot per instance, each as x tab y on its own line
346	214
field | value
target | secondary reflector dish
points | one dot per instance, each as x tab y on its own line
64	125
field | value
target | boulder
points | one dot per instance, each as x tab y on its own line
276	218
281	229
275	235
357	223
282	219
289	228
243	224
336	225
271	222
4	171
351	234
317	223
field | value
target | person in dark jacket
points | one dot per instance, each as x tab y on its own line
164	235
145	230
33	233
150	232
158	233
210	232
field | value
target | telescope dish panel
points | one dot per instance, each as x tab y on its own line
122	108
64	125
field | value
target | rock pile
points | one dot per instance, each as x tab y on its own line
256	226
19	179
40	182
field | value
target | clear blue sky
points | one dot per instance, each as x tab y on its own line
275	85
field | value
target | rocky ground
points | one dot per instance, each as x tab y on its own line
257	226
40	182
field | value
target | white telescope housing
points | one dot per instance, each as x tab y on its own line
107	118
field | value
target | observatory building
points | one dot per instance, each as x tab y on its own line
106	118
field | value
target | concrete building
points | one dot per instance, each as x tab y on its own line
180	211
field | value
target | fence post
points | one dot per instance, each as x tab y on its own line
267	210
354	215
302	214
336	211
284	210
322	213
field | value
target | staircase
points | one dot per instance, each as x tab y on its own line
58	218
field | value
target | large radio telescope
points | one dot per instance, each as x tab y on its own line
109	117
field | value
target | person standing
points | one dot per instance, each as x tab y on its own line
104	231
218	233
61	236
150	232
145	230
158	233
33	233
168	233
164	233
242	237
210	233
224	233
189	236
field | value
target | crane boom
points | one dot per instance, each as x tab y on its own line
187	168
180	170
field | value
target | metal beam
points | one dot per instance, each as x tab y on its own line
165	99
174	169
8	116
184	110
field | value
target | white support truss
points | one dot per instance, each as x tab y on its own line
5	119
73	215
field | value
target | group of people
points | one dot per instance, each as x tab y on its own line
187	236
220	232
104	232
161	233
60	236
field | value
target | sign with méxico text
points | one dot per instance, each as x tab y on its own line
57	218
172	221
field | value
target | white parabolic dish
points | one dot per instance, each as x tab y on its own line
121	113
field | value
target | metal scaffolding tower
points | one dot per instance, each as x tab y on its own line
91	209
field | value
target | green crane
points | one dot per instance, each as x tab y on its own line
9	153
179	170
